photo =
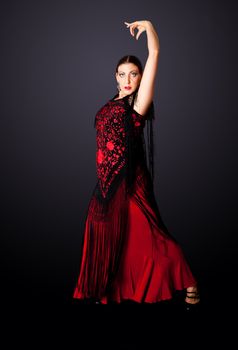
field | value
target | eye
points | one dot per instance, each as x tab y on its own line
121	74
134	74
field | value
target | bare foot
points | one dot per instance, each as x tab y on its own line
192	295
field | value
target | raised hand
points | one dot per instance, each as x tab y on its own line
141	26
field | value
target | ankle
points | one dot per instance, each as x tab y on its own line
192	289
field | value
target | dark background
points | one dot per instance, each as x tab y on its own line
58	60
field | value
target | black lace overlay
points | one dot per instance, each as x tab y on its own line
138	152
121	145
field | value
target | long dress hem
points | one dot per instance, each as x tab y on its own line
127	251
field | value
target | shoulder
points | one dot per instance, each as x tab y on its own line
135	104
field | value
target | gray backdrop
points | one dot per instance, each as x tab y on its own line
57	69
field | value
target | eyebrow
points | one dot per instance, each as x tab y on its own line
135	71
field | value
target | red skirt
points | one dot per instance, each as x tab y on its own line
127	253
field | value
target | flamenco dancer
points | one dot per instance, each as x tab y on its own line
127	252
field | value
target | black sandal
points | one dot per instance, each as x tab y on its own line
196	295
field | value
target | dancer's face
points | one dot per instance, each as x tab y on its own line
128	75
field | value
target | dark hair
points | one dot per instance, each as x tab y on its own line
130	59
149	119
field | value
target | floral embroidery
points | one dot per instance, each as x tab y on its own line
110	145
100	156
111	140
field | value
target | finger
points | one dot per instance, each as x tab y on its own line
128	23
139	33
131	24
132	29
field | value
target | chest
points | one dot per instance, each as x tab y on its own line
111	118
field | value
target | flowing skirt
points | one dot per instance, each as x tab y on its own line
127	252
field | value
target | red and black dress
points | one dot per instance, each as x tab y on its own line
127	252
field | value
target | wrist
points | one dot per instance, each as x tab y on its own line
148	25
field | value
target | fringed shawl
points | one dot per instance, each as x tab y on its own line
134	149
137	149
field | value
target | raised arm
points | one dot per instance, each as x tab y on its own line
147	84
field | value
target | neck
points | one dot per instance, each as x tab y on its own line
121	94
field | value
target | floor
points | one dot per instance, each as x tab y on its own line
80	325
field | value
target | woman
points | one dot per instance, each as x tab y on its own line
127	252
